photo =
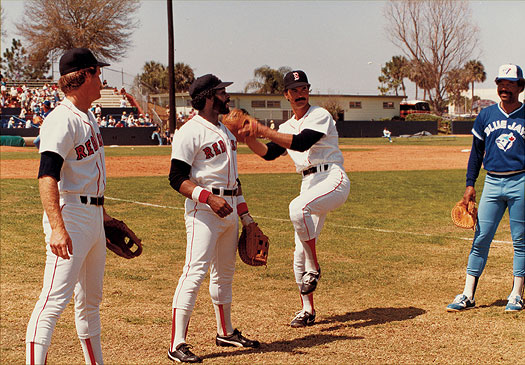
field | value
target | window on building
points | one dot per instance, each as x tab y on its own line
388	105
355	105
258	104
273	104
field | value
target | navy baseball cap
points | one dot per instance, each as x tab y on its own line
76	59
206	82
509	72
295	79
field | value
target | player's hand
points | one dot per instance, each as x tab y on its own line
60	243
219	205
470	195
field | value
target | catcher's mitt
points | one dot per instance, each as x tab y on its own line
463	216
120	239
253	245
237	120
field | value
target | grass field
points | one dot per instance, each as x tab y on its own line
391	258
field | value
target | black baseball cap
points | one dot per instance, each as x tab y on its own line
206	82
295	79
76	59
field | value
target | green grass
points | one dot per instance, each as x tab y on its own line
391	262
122	151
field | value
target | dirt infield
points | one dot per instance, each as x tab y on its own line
357	158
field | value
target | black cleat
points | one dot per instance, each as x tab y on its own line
309	281
303	319
183	354
235	339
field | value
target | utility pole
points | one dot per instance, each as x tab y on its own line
171	69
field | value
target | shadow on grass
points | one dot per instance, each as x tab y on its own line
371	317
286	346
497	303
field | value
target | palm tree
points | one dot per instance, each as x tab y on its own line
184	76
475	72
268	80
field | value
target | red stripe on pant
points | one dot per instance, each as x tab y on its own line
32	354
90	351
223	325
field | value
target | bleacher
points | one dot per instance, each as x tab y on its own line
108	99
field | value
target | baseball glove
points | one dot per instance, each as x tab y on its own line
121	239
253	245
237	120
465	216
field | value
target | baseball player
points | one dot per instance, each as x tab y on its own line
310	138
498	143
72	180
204	170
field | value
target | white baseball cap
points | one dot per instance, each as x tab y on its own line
510	72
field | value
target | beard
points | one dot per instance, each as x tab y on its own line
220	106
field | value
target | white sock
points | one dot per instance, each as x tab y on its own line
92	349
517	286
308	303
223	315
180	322
36	353
470	286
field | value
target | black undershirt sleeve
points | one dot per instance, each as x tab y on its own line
179	172
50	165
306	139
274	151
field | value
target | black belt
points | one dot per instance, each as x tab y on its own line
225	192
94	200
314	169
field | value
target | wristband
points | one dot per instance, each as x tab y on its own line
242	207
200	195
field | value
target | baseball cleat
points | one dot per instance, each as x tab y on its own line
309	281
183	354
461	302
515	304
236	339
303	319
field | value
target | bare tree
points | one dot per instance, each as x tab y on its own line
105	27
3	31
436	33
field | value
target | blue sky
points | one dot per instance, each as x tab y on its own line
340	44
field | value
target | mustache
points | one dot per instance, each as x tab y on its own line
300	99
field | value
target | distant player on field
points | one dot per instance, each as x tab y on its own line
498	143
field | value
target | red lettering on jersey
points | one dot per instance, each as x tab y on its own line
222	146
81	153
100	142
234	145
207	151
216	149
89	148
94	143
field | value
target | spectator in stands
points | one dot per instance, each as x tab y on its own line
156	133
123	102
46	109
168	136
105	84
11	123
23	113
55	94
28	123
120	124
37	121
104	122
111	121
124	117
123	91
147	119
98	110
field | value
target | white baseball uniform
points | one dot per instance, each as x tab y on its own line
211	151
75	136
325	184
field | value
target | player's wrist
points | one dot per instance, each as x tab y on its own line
200	195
